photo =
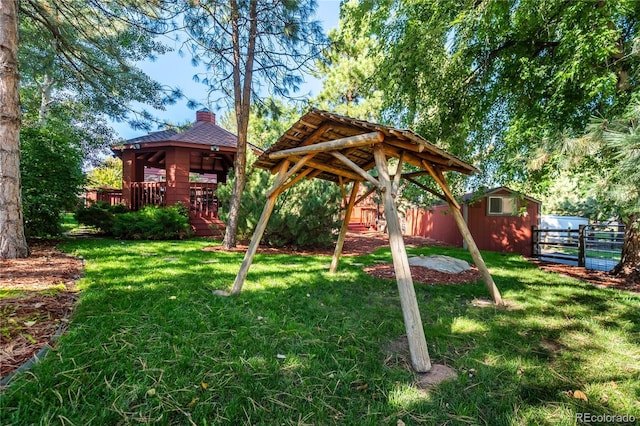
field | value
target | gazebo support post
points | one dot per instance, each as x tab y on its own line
438	176
345	226
410	311
475	254
257	233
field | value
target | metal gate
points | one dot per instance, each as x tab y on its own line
594	246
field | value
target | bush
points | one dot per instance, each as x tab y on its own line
306	215
153	223
100	215
51	168
41	216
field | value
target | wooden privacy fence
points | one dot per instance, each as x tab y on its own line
582	245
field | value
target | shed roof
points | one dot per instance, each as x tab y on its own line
318	126
474	196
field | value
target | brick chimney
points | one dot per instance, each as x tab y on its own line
206	115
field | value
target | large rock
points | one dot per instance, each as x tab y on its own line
441	263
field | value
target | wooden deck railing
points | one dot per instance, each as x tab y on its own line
203	199
202	196
147	193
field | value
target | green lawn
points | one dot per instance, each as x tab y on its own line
149	343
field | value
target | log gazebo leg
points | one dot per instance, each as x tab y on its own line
410	310
345	226
257	233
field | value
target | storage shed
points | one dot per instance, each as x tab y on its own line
499	219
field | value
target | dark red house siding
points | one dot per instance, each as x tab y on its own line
508	234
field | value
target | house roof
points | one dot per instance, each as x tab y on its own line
318	127
472	196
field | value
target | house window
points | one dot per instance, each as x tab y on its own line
501	206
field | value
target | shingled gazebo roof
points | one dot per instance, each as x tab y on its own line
318	126
203	132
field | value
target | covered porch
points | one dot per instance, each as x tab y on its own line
170	167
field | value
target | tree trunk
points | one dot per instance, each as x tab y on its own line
12	240
239	168
242	80
629	266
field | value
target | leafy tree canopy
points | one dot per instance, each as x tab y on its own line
347	68
107	174
51	176
492	80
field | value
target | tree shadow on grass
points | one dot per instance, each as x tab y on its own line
151	342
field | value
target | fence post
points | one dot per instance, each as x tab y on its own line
581	249
535	237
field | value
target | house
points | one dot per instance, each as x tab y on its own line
499	219
168	167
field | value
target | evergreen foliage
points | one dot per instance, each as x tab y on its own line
153	223
99	215
306	215
148	223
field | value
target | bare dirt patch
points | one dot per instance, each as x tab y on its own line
397	354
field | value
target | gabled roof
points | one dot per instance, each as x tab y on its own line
473	196
317	127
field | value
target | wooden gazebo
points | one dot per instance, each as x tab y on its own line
204	149
342	150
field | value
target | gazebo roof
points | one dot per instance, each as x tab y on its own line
318	126
203	132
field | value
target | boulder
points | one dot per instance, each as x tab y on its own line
440	263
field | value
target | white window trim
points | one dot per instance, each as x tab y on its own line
514	204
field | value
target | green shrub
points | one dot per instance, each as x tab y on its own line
153	223
99	215
51	168
306	215
41	216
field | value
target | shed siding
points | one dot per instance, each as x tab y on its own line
508	234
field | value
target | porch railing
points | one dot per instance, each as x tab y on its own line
148	193
203	199
202	196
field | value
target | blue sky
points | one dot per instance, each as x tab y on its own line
175	71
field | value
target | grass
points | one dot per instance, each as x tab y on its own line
607	254
149	342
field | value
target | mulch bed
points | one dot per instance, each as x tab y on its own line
597	278
47	292
47	279
424	275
